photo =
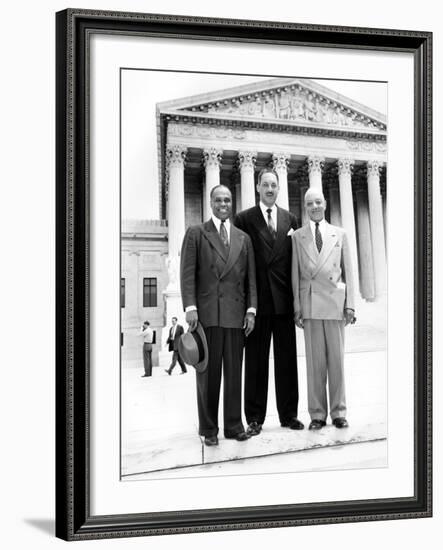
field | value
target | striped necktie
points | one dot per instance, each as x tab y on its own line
318	239
224	234
271	225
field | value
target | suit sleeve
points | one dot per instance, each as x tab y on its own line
347	274
295	274
188	268
294	221
238	222
251	298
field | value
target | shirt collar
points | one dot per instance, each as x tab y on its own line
321	225
217	223
264	209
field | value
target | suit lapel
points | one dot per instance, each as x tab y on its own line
282	229
235	246
211	233
307	243
262	229
329	240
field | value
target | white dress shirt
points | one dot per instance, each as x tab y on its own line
263	208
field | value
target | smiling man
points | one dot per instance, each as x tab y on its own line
219	290
270	228
323	304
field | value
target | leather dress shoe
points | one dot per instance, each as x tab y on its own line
293	424
340	423
211	440
254	428
144	375
183	372
317	424
168	371
240	436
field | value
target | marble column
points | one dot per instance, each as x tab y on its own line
377	226
367	283
315	167
304	215
175	175
247	161
212	162
334	205
175	166
347	210
280	162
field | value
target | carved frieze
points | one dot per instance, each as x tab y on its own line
377	146
293	102
206	132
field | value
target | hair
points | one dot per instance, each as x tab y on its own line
266	170
312	191
146	323
218	187
175	318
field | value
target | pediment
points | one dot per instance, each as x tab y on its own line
292	100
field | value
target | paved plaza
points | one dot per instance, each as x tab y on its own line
160	437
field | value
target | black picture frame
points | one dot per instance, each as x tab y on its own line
73	518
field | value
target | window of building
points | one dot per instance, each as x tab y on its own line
150	292
122	292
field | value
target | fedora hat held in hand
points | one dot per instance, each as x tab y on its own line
193	348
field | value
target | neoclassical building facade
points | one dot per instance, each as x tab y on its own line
311	135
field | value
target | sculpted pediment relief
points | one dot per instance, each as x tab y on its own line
292	102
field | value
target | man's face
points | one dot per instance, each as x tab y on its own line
221	203
268	189
315	205
173	320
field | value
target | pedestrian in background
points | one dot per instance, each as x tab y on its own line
148	335
174	336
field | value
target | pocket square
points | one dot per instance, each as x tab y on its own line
289	233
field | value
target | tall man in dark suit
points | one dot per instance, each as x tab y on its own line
270	228
174	336
218	289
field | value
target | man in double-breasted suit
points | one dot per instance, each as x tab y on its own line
218	289
270	228
174	336
323	290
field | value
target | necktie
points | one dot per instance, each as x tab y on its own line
224	234
318	239
271	225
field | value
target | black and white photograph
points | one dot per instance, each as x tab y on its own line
254	273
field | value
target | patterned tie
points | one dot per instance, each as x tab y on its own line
224	234
271	225
318	239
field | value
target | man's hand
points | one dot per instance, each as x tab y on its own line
249	323
350	318
298	319
192	319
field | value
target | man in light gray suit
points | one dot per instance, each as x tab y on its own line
323	304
